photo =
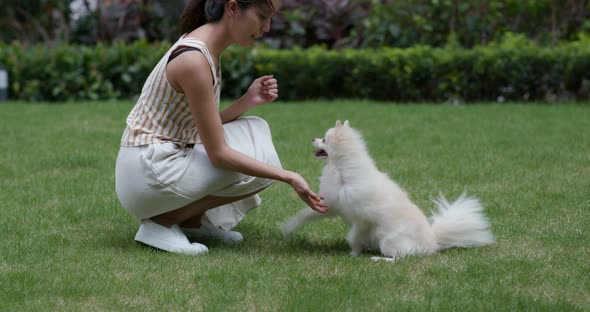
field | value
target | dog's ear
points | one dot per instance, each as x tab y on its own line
346	124
338	124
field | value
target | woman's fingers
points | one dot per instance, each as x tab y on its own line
271	87
267	80
275	90
317	206
271	95
313	195
314	201
270	83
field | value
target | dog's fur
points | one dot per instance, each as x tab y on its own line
380	214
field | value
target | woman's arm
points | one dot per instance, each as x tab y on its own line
263	90
193	76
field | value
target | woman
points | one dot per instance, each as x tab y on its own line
185	169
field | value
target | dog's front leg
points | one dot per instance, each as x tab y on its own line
304	215
355	239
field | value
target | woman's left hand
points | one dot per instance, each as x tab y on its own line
263	90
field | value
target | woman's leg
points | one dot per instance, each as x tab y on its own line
190	215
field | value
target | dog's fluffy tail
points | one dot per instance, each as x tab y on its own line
461	223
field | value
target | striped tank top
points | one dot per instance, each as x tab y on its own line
161	113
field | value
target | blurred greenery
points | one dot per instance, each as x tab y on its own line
472	22
421	50
304	23
511	69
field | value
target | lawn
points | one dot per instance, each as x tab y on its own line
68	245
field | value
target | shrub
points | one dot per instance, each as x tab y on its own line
305	23
404	23
500	72
512	69
79	72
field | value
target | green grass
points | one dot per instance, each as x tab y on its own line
68	245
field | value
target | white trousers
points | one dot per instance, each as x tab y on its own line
161	177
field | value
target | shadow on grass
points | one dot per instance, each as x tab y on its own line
259	242
264	241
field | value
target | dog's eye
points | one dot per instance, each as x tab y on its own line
324	140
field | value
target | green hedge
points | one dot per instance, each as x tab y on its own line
513	70
78	72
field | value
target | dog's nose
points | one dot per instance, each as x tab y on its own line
312	140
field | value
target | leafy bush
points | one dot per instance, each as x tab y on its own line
79	72
403	23
305	23
514	68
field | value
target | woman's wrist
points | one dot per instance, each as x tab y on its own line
286	176
244	102
234	111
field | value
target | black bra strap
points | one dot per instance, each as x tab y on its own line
180	51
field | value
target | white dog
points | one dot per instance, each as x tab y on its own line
379	212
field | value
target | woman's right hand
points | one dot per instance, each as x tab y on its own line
300	186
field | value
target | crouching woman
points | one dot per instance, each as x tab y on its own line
186	170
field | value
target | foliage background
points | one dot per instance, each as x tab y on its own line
304	23
422	50
514	69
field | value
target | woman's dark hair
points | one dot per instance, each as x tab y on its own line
200	12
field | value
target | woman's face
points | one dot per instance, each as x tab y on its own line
253	22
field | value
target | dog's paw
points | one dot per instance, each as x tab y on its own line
288	227
354	253
386	259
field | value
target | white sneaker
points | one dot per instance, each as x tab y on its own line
208	230
169	239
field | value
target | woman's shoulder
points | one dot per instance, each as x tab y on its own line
191	40
190	71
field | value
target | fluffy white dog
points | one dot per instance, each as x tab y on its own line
379	212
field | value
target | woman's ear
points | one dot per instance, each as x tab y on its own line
232	7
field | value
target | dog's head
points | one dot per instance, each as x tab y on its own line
332	143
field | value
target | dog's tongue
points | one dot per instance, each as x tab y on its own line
321	152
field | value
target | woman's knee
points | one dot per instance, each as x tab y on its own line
257	122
